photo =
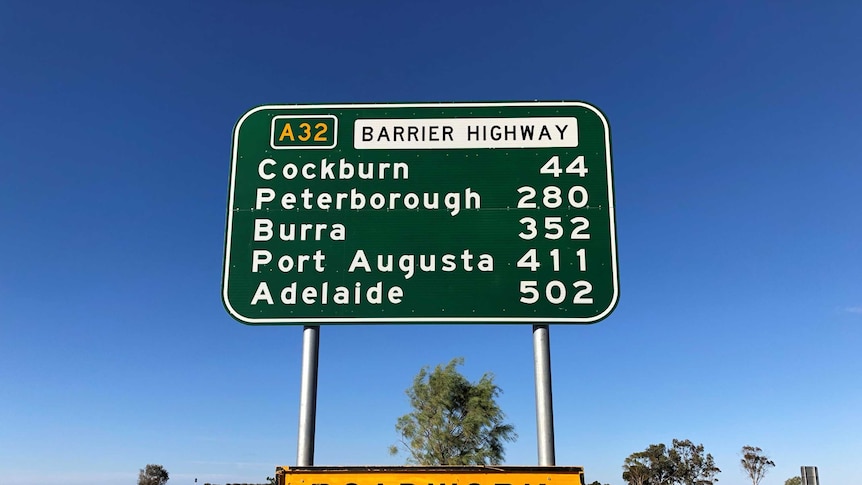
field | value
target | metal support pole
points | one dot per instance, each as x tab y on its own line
544	397
308	396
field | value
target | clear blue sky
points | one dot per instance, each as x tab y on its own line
738	184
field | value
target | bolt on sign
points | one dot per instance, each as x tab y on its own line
438	475
409	213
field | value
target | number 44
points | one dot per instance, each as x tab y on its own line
552	166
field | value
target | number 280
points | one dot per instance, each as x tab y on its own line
552	197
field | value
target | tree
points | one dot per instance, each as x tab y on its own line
692	466
454	421
755	463
636	469
153	475
682	464
649	467
797	480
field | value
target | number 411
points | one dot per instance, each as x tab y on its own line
530	259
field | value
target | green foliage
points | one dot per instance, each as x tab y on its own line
692	465
638	468
454	421
649	467
684	463
755	463
153	475
271	481
797	480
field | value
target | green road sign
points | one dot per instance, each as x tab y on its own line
408	213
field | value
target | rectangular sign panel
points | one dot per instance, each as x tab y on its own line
409	213
440	475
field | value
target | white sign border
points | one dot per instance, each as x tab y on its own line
392	320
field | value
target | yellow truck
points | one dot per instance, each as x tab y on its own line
434	475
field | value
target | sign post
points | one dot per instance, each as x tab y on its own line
419	213
308	396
